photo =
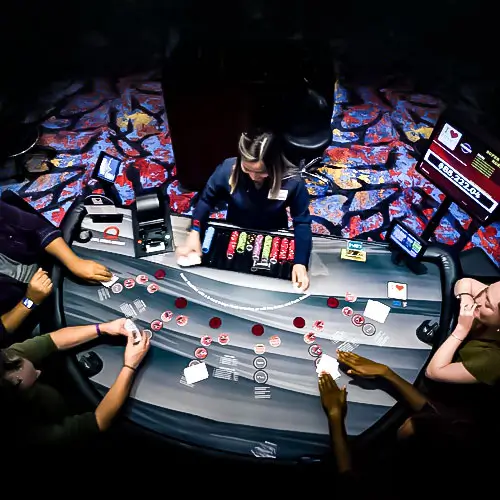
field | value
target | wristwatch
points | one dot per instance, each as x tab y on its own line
28	303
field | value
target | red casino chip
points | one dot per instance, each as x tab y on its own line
299	322
223	339
319	325
129	283
283	254
156	325
274	341
275	248
258	330
215	323
181	302
291	251
141	279
152	288
350	297
206	340
310	338
200	353
347	311
181	320
332	302
160	274
167	316
358	320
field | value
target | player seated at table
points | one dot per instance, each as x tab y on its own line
26	239
35	413
471	354
258	186
430	425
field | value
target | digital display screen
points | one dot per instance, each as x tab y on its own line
409	243
108	168
465	168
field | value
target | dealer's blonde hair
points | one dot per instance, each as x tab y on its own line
262	147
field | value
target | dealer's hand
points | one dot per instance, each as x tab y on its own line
192	244
39	287
90	270
116	327
300	277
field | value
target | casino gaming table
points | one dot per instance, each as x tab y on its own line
261	398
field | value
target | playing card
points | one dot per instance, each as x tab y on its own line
397	290
449	136
376	310
110	283
195	373
329	365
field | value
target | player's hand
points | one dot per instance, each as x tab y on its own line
39	287
116	327
465	319
92	271
135	353
333	399
192	244
300	277
362	367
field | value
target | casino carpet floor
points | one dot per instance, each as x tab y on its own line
371	159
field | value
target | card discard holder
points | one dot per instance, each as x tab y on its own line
356	255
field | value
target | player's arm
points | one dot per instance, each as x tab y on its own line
39	287
85	269
468	288
366	368
441	367
119	391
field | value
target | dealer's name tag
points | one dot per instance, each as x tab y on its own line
282	195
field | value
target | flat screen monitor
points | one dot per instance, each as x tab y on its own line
107	168
465	165
405	239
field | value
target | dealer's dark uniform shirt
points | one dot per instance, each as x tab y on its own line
251	208
23	237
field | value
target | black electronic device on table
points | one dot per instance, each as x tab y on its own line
151	225
407	248
233	248
106	171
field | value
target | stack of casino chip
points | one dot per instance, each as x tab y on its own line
242	241
257	247
207	241
266	249
275	247
291	251
250	241
283	253
231	247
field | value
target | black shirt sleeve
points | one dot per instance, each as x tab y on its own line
301	217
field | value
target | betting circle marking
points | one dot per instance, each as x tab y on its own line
241	308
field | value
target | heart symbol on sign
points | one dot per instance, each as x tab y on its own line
399	287
453	134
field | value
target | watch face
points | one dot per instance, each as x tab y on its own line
28	303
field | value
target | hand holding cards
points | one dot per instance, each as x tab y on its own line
131	327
